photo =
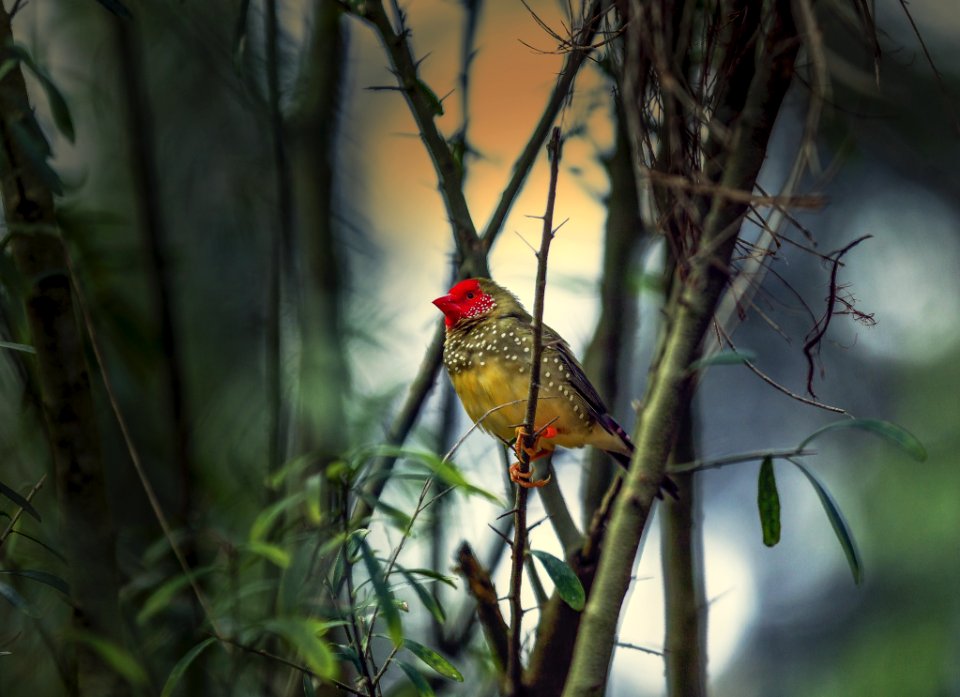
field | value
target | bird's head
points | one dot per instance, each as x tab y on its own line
475	298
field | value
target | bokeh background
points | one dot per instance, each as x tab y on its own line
783	621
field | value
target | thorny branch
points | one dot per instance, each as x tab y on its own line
819	329
514	667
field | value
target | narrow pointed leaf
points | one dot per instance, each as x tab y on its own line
272	553
9	594
433	659
897	435
416	677
302	634
565	581
43	577
117	8
160	599
114	655
839	523
58	105
19	500
25	348
768	503
722	358
181	667
429	602
385	600
430	573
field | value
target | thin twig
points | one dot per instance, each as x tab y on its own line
820	328
291	664
558	97
514	667
700	465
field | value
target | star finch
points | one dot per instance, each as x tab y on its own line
488	353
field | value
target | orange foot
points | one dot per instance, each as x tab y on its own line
523	478
533	453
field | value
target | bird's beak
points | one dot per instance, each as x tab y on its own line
445	303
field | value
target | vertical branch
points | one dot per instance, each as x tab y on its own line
609	353
142	153
681	544
281	244
87	531
529	437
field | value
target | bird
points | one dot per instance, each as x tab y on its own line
488	356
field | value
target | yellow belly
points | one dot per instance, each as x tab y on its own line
498	401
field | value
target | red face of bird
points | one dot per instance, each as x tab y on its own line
466	299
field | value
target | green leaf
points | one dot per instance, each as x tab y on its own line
399	519
266	518
722	358
114	655
768	503
272	553
15	599
430	573
900	437
161	597
19	500
433	659
840	526
181	667
302	634
58	105
443	470
35	147
43	577
385	599
25	348
416	677
429	602
565	581
117	8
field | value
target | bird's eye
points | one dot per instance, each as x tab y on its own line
470	295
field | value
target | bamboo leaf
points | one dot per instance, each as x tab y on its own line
36	148
268	516
429	602
15	599
25	348
385	599
302	634
897	435
20	501
416	677
58	105
181	667
117	8
114	655
839	523
768	503
43	577
442	469
433	659
272	553
565	581
430	573
161	597
722	358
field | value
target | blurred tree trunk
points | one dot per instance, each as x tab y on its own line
611	349
88	535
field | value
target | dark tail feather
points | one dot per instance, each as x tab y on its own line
666	484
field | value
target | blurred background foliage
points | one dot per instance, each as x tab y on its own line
260	325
